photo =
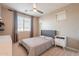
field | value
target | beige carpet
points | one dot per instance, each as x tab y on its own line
18	50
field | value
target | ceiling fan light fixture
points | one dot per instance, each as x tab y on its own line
34	10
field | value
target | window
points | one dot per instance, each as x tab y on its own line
20	23
23	23
27	24
61	15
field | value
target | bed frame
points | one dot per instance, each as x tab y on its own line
49	33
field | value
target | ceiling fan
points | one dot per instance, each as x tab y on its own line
35	9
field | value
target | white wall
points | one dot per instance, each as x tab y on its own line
68	27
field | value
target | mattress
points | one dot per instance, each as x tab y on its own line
5	45
37	45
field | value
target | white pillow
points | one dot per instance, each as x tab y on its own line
42	36
46	37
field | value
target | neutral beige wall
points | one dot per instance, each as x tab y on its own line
23	35
68	27
35	26
8	20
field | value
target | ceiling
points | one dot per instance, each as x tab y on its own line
45	7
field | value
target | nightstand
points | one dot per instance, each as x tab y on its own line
60	41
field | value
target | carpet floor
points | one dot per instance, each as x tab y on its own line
18	50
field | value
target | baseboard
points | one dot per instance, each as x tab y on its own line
72	49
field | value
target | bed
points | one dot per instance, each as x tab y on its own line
5	45
37	45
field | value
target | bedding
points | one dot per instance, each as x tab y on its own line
37	45
5	45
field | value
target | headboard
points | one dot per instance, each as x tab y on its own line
50	33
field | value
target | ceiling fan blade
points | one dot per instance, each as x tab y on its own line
35	9
40	11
